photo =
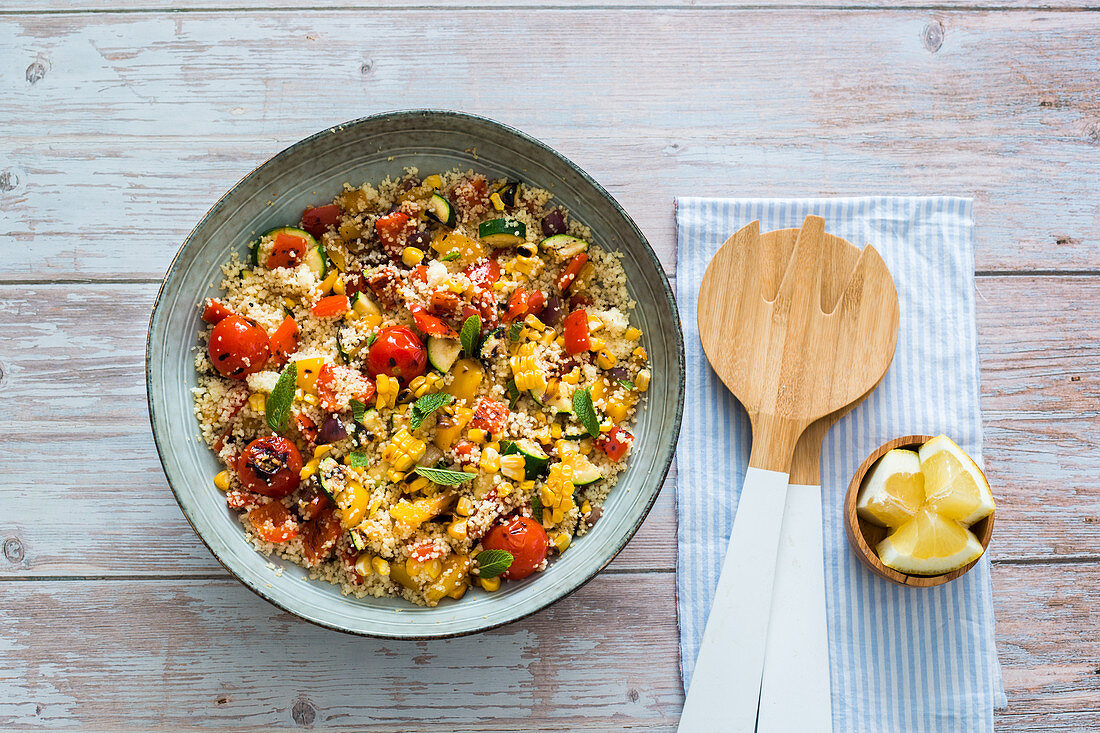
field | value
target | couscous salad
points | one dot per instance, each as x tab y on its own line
421	386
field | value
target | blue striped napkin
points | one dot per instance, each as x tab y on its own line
901	659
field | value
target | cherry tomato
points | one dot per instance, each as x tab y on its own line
525	539
306	427
310	509
615	443
238	348
397	352
284	341
431	325
331	306
576	332
237	499
569	274
270	466
490	415
319	536
319	218
337	385
287	251
214	312
273	523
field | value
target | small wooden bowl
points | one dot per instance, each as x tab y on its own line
864	536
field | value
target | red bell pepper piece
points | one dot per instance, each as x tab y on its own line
576	332
431	325
615	443
333	305
214	311
284	340
569	274
287	251
490	415
319	218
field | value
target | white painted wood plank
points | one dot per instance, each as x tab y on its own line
72	358
357	6
135	123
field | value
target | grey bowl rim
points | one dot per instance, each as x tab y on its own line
426	113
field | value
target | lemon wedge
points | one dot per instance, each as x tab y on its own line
955	487
929	544
894	490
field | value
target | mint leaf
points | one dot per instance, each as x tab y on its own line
358	410
444	476
586	411
492	563
536	508
627	383
471	329
452	255
514	331
277	406
513	393
426	405
371	338
357	459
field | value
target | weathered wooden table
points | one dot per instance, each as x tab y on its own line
122	121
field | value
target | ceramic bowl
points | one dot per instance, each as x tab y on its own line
313	171
864	536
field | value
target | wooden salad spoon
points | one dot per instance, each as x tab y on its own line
789	364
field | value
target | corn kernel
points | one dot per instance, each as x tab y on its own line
412	256
594	323
257	401
351	316
533	321
338	287
490	460
395	476
434	181
465	506
309	399
555	430
222	481
504	489
560	341
380	566
321	450
560	541
490	585
632	334
363	565
497	203
457	529
476	434
605	359
640	353
586	507
641	382
289	303
513	467
595	344
573	376
605	427
455	286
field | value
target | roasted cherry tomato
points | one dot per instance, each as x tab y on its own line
397	352
273	523
237	499
524	303
214	311
576	332
270	466
306	427
337	385
310	509
525	539
319	218
319	536
490	415
284	341
238	348
615	443
571	270
431	325
287	251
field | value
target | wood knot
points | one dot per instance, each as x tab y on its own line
366	67
932	36
304	712
1066	241
13	550
633	695
36	71
8	180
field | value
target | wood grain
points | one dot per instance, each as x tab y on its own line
357	6
151	116
185	655
72	357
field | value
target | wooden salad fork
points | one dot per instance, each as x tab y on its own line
790	364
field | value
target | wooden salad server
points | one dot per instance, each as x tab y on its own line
789	364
